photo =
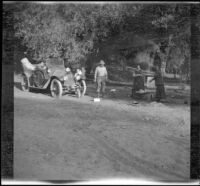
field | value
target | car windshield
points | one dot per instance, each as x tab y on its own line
55	62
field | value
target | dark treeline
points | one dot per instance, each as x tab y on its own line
75	31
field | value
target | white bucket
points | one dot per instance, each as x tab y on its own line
96	99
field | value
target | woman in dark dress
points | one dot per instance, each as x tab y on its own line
138	81
159	83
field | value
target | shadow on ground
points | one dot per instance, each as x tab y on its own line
40	91
122	93
33	90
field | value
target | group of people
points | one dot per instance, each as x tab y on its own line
101	76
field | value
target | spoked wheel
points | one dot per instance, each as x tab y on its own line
56	88
83	87
24	83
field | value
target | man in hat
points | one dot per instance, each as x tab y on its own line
100	77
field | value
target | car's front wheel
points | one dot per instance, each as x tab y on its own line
56	88
24	83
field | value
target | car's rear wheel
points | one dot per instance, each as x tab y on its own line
24	83
56	88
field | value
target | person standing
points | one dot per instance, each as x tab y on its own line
159	83
100	77
138	81
26	64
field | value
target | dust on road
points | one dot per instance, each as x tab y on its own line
77	139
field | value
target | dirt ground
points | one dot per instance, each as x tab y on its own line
78	139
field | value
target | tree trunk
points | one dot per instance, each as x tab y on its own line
124	66
182	86
165	55
174	72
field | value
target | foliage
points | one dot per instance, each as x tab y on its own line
66	30
73	31
172	24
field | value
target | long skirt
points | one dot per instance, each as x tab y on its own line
160	92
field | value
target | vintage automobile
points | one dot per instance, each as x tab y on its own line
52	75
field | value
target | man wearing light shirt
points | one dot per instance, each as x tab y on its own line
100	77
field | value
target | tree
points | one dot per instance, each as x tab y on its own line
65	30
74	31
172	23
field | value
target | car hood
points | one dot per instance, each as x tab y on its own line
57	72
56	67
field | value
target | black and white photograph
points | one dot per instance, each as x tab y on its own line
100	90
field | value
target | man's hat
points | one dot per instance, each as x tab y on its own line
102	62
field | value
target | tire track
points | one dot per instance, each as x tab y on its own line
119	156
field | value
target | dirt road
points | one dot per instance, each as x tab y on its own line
77	139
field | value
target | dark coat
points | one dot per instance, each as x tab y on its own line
158	78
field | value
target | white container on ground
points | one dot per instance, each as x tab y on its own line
96	99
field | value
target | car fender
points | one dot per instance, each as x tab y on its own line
59	74
47	83
56	74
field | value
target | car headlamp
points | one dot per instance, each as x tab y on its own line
67	69
65	78
78	78
79	72
48	70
